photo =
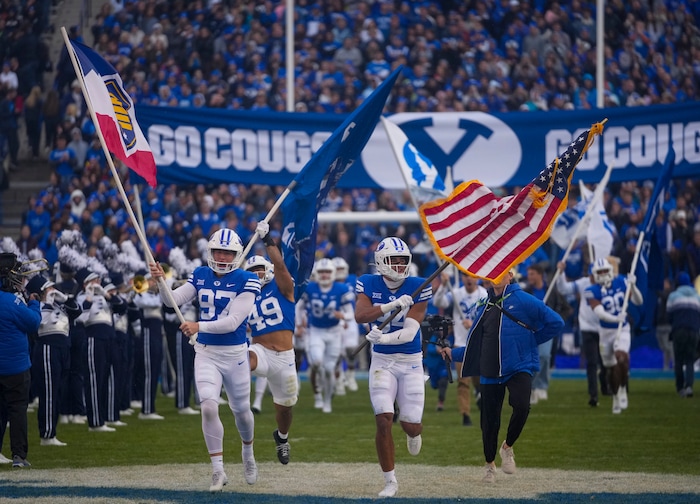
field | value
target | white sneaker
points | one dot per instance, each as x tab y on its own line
136	405
64	419
507	459
4	459
542	394
390	489
622	397
222	400
414	444
170	394
318	400
340	387
101	428
188	411
52	441
218	480
78	419
150	416
534	396
490	474
250	470
616	409
116	423
351	383
327	408
126	412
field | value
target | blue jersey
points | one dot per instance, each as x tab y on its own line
375	289
216	296
321	305
272	312
611	298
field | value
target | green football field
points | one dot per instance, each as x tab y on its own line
658	433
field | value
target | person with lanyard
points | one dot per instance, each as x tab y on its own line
502	348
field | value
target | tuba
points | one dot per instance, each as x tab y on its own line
140	284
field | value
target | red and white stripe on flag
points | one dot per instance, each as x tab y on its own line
484	235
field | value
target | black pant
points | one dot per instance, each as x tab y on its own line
50	372
14	394
182	357
591	350
685	342
492	396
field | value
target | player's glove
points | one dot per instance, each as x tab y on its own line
631	279
374	335
403	302
263	230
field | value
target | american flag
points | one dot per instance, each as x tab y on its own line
484	235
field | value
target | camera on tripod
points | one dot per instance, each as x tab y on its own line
439	326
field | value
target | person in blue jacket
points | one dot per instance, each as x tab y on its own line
18	320
502	350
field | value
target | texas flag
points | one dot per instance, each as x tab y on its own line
115	113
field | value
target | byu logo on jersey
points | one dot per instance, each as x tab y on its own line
121	103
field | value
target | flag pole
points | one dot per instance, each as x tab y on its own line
597	195
117	180
393	314
439	260
267	219
591	254
628	290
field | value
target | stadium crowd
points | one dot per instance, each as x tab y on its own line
489	56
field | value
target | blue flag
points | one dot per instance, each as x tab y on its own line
311	186
649	271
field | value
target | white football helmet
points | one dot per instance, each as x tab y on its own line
325	272
254	263
224	239
341	269
603	272
390	248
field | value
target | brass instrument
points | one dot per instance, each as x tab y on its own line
140	284
40	267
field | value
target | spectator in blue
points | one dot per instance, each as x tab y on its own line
64	161
683	309
38	220
206	217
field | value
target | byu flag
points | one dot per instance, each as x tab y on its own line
419	173
649	271
601	231
115	113
311	186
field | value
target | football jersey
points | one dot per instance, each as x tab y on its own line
376	290
321	305
216	296
272	311
611	298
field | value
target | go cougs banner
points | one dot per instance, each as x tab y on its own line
213	146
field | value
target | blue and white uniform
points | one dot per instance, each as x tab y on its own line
148	356
274	312
51	361
612	299
325	329
396	371
221	350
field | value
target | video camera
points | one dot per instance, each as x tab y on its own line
11	279
436	325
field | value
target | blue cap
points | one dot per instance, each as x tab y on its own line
684	279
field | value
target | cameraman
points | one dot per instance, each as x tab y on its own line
18	319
